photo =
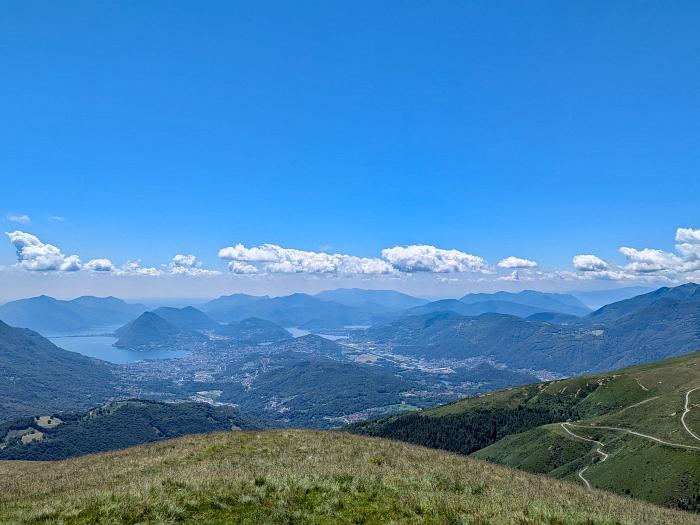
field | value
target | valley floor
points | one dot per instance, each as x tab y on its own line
294	476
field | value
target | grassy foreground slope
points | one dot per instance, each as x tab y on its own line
294	476
556	428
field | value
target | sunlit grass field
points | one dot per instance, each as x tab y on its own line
290	476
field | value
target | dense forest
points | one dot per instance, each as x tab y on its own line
463	433
117	425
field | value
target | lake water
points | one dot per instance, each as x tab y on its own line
299	332
100	347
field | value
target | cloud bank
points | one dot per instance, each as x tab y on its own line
634	264
271	258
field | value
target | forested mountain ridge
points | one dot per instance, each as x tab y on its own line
116	425
36	375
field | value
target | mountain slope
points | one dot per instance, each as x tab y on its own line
473	309
598	298
517	342
151	330
522	427
296	310
540	301
37	376
254	331
374	300
187	317
310	390
116	425
660	300
300	477
216	307
655	326
51	316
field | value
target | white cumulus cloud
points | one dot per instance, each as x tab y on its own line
34	255
276	259
589	263
135	268
242	268
425	258
688	235
650	260
188	265
516	262
99	265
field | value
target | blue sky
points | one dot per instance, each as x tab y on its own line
538	130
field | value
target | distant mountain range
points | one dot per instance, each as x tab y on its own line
332	309
50	316
540	301
296	310
632	431
653	326
471	309
373	300
37	375
120	424
347	307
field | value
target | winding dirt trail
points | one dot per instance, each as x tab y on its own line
686	409
638	434
580	475
602	454
600	444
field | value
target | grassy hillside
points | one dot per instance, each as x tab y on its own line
522	427
300	477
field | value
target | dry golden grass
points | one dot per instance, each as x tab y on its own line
294	476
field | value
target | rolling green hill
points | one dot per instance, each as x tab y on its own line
627	431
116	425
282	477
